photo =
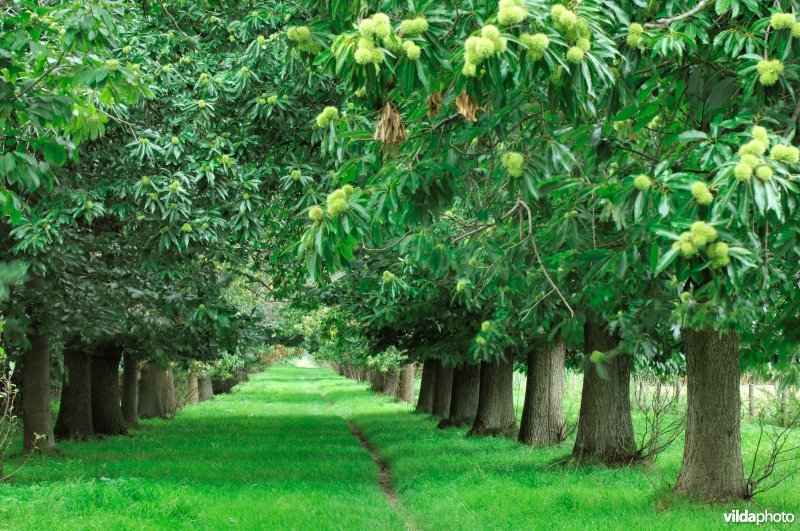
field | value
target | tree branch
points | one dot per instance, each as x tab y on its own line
667	21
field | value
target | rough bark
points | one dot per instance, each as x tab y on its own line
464	398
37	414
427	385
711	469
495	415
605	428
149	406
75	411
205	390
405	386
169	396
194	391
130	390
157	392
443	390
106	395
542	421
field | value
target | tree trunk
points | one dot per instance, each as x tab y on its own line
427	386
543	412
130	390
405	387
149	397
711	469
495	415
157	392
443	391
168	389
75	412
605	428
106	396
37	414
194	394
205	391
390	383
464	398
751	399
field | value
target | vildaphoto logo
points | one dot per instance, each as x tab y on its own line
746	517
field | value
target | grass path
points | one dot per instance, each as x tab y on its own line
274	454
279	453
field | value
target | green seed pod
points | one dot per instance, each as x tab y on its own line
315	213
702	233
642	182
513	163
701	193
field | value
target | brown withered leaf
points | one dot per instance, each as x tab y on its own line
390	129
467	107
434	104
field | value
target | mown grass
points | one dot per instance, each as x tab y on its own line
276	454
446	480
271	455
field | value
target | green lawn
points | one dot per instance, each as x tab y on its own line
276	453
444	479
271	455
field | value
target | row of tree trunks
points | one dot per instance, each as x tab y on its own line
399	384
464	398
90	393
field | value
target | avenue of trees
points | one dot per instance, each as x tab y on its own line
137	190
613	179
464	187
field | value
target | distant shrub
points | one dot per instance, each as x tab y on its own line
231	369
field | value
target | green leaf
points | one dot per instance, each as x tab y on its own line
665	261
686	136
54	154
